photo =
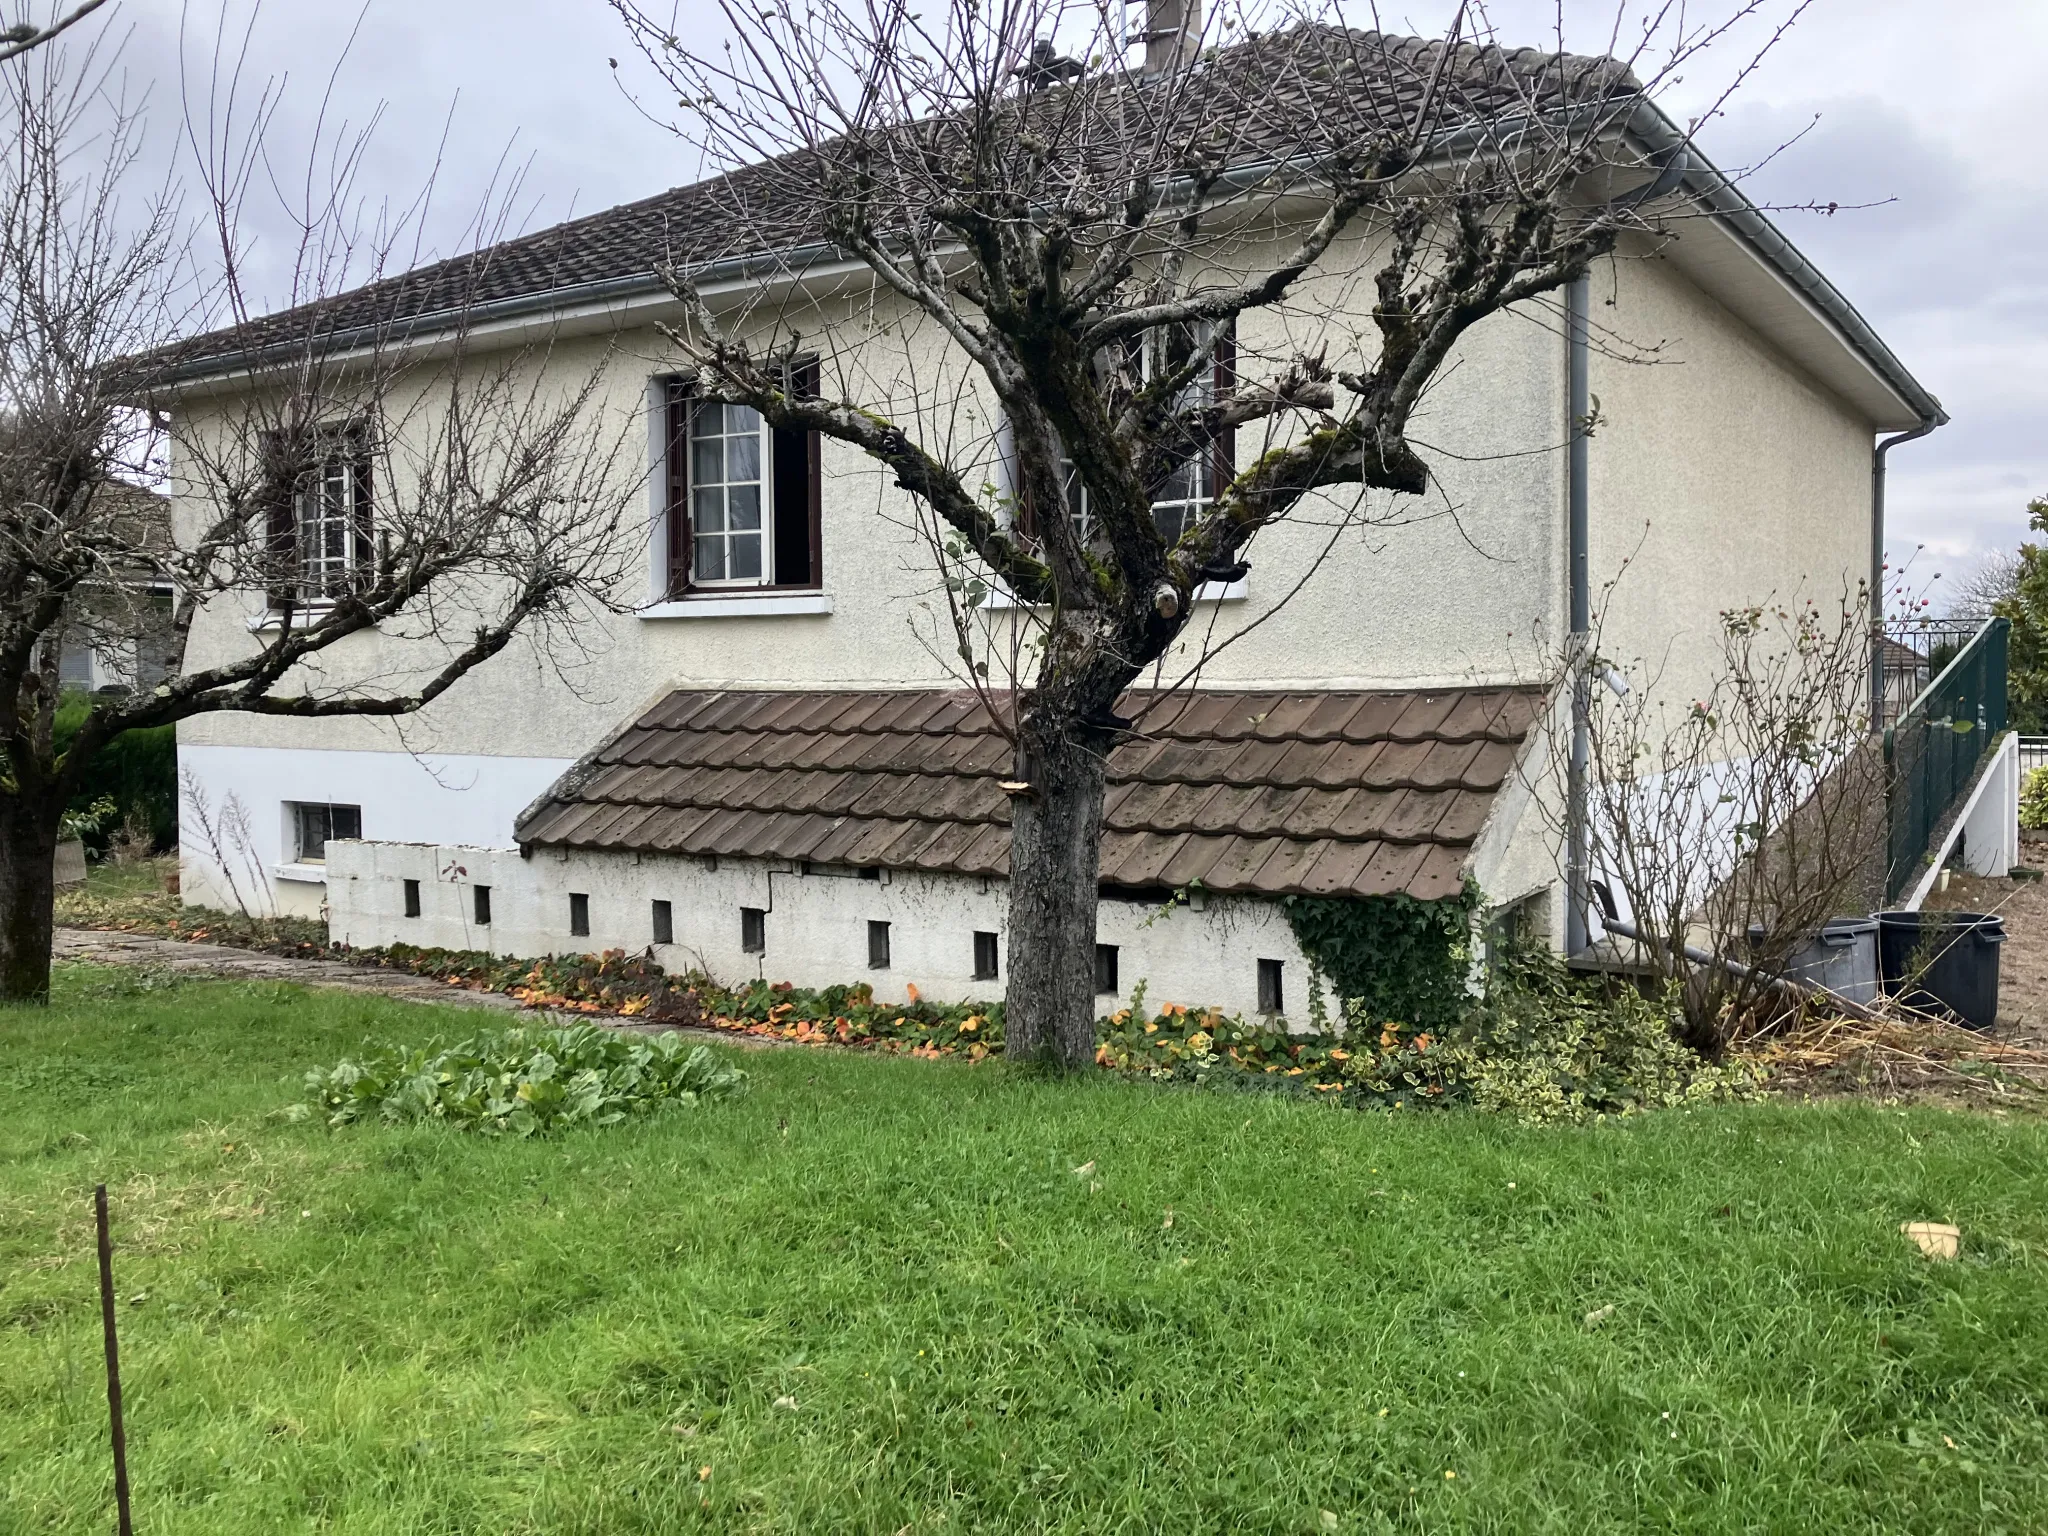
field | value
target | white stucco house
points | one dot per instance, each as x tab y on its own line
764	768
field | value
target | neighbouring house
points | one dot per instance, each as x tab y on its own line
120	636
763	765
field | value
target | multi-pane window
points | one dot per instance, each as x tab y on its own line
1179	499
316	826
328	526
742	495
725	494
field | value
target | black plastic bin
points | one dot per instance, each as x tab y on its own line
1942	962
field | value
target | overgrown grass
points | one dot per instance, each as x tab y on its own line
1249	1311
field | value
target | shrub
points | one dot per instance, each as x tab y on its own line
137	770
1541	1045
525	1082
2034	800
1544	1045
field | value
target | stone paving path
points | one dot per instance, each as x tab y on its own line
105	947
108	948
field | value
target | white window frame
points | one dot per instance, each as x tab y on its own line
763	484
327	506
1201	466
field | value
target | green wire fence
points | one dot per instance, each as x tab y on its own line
1932	751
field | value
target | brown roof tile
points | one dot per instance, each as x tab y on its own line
1300	793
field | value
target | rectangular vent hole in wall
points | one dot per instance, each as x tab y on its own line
480	903
878	946
664	923
1270	999
1105	968
412	898
984	956
579	915
753	930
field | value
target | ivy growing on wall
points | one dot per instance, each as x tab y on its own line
1403	959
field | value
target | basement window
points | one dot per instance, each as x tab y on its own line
1105	968
878	946
412	898
315	826
753	930
579	915
664	923
1270	1000
480	904
984	956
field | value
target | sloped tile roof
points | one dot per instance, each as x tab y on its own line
1280	94
1326	794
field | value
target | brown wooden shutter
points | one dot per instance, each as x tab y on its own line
363	568
1223	459
277	489
797	507
676	466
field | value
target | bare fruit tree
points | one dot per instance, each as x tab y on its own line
1734	819
447	502
1130	266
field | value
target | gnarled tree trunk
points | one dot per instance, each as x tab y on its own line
1055	851
28	889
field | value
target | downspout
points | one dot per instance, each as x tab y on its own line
1577	928
1877	578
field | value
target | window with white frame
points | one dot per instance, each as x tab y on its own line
1197	479
726	494
327	529
743	497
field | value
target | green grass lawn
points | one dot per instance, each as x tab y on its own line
875	1296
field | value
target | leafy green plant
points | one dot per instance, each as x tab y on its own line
2034	799
1393	956
137	770
1541	1045
525	1082
88	820
1546	1046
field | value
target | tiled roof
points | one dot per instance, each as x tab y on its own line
1277	93
1348	794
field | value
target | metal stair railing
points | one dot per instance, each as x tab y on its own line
1932	750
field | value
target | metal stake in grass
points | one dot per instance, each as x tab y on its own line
99	1204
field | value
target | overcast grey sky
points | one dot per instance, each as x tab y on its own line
1930	105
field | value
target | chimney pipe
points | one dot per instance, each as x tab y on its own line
1173	34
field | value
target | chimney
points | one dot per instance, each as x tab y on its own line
1173	34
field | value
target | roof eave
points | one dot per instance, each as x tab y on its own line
1745	222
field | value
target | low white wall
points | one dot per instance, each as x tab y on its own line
1988	825
467	799
816	923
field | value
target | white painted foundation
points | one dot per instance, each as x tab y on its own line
816	923
465	799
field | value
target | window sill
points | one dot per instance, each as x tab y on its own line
724	605
307	874
1208	592
303	617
